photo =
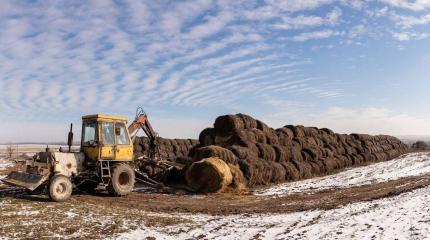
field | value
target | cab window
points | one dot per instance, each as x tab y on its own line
121	134
89	133
108	133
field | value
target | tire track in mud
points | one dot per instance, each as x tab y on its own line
226	204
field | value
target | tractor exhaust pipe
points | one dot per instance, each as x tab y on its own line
70	138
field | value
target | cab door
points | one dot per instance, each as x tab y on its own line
123	147
90	142
107	132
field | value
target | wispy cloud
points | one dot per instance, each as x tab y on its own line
80	57
303	21
315	35
406	36
417	5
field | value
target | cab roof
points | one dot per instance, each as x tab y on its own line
100	117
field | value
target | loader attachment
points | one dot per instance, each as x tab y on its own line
25	180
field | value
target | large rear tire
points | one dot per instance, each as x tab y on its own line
122	180
60	188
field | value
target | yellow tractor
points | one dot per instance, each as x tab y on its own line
105	158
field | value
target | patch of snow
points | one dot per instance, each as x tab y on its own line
4	163
21	213
414	164
71	214
406	216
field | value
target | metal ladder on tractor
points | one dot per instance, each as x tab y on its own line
105	171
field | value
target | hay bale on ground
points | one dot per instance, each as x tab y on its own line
209	175
239	181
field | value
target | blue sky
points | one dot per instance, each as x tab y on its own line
353	66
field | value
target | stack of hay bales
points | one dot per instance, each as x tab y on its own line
420	146
170	149
265	155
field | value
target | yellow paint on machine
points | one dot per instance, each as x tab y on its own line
100	151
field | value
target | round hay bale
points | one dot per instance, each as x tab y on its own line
297	144
310	132
271	138
239	181
328	131
243	152
287	132
291	172
206	137
297	131
266	173
314	164
266	152
192	150
340	150
284	140
310	141
228	123
237	137
248	121
259	135
209	175
296	155
214	152
263	127
313	153
329	164
254	171
191	142
282	155
328	152
278	173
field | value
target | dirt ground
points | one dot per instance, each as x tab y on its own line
100	216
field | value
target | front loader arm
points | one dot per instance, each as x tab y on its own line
141	121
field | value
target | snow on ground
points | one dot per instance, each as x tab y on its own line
413	164
4	163
406	216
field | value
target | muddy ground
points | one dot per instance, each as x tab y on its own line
101	216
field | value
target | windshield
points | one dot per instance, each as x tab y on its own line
89	133
108	133
121	134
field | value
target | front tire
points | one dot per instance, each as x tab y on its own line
60	188
122	180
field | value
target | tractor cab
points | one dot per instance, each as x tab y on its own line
106	137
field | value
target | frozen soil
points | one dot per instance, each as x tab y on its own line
394	207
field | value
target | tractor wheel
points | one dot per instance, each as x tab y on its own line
122	181
60	188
